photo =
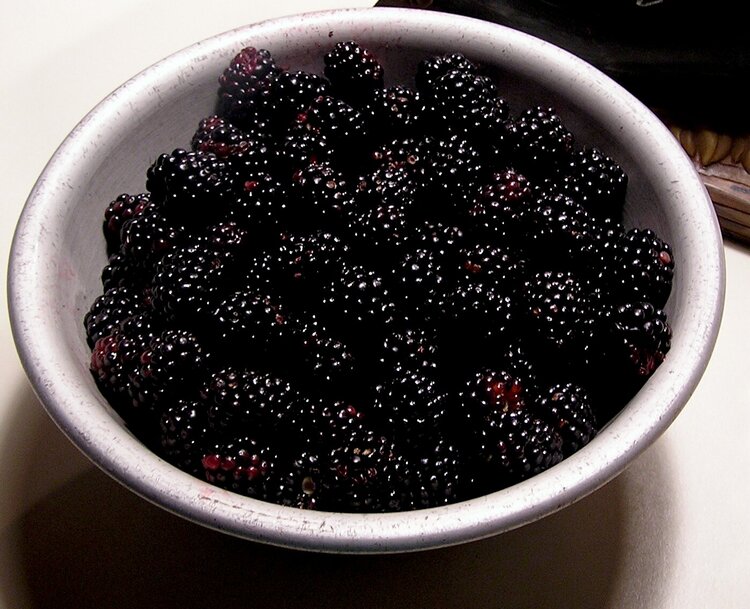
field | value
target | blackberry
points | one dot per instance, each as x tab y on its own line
302	147
149	236
260	273
560	311
357	479
296	481
640	338
567	407
519	359
261	206
309	260
187	283
109	309
257	157
598	258
328	362
418	276
383	230
105	365
467	104
394	112
244	86
490	392
430	69
188	185
541	141
185	435
239	398
450	169
411	348
216	135
557	233
119	211
318	424
337	121
360	300
435	475
387	185
643	267
227	238
241	465
492	265
411	406
122	271
475	313
323	198
515	445
169	368
353	71
496	211
250	327
116	356
337	462
406	152
445	240
292	93
597	182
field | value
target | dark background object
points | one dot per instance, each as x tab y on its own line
689	61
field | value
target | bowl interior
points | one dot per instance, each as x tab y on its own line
59	252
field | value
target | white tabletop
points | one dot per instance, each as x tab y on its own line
672	532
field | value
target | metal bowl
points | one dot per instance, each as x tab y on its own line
58	253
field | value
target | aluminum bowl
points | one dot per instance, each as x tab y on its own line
58	253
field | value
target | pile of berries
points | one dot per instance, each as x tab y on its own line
352	296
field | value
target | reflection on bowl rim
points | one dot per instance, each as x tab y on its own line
59	383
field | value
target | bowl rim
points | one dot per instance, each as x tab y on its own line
116	452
